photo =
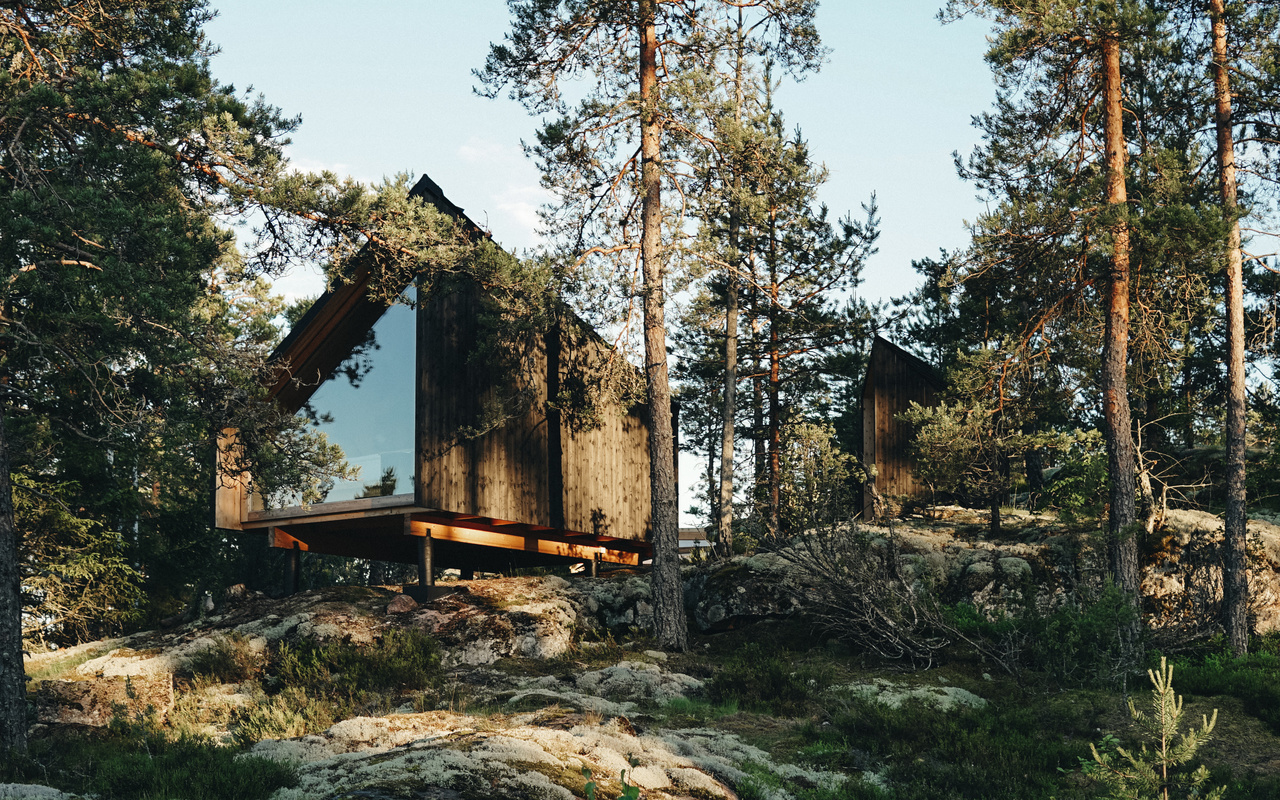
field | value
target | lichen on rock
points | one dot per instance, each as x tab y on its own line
494	758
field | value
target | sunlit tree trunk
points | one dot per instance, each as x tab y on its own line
1115	346
724	522
775	408
1235	578
670	627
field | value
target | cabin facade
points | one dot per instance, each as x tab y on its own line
895	378
398	389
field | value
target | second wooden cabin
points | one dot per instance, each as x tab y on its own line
895	378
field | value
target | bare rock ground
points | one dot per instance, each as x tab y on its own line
583	715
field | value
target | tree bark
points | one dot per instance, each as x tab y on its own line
724	522
1033	463
1115	347
712	478
669	623
1235	577
13	685
775	409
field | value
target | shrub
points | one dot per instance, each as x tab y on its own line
399	660
860	593
188	768
231	659
1078	488
1078	644
1254	679
138	761
312	684
286	715
1002	750
755	678
761	783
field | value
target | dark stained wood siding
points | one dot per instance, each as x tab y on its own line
501	474
533	468
606	477
895	378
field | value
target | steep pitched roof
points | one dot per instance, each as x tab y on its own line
883	347
339	319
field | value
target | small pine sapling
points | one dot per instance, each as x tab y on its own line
1152	773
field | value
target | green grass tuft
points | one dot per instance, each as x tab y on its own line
755	678
134	761
1254	679
231	659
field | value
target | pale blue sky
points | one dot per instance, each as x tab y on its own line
386	87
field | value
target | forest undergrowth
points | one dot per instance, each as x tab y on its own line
965	727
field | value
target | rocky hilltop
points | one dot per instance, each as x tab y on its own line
546	686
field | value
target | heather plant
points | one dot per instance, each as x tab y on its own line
755	677
290	713
398	660
1076	645
1254	679
231	659
138	760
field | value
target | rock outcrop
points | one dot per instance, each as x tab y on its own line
506	617
96	701
745	590
544	754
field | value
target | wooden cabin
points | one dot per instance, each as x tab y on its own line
895	378
398	389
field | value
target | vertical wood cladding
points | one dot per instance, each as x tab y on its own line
532	468
895	378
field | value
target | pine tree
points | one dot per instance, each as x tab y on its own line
1235	580
1242	47
607	160
120	150
116	139
1152	773
1057	155
805	262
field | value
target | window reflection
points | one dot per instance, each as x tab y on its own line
366	408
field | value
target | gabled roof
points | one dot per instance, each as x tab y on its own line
339	320
883	348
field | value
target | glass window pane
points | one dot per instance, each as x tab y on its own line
366	407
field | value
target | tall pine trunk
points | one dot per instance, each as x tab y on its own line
758	435
775	408
13	688
1235	577
669	623
724	522
1115	347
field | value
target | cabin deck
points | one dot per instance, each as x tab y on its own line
390	529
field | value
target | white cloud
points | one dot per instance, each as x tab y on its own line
489	152
519	204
